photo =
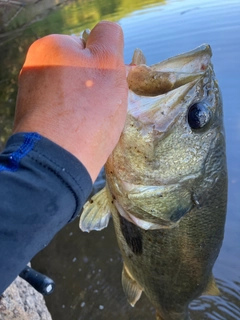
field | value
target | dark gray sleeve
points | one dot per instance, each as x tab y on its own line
42	188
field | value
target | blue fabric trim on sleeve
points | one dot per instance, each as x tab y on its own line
15	157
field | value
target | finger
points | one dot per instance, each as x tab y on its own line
106	36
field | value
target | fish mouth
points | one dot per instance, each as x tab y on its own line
169	74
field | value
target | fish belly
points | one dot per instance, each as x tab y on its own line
174	266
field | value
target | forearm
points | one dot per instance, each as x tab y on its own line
42	187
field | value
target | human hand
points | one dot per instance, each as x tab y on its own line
75	94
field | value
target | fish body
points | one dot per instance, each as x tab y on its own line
166	183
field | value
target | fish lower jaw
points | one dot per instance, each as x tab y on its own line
143	224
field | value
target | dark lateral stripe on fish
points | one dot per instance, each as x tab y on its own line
132	235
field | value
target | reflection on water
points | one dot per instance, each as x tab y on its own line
41	18
87	267
225	306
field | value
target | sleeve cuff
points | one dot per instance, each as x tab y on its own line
43	152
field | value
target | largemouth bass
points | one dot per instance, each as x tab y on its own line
166	183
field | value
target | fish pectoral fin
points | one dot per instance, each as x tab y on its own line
96	213
211	289
130	287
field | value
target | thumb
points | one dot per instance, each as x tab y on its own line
106	37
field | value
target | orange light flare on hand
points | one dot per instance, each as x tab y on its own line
89	83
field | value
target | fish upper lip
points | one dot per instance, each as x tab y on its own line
194	61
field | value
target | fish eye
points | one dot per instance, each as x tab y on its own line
198	115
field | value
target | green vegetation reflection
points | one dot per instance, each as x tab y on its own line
21	25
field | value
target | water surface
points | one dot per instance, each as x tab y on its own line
87	267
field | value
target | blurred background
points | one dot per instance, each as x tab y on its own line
87	267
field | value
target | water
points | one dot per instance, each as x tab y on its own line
87	267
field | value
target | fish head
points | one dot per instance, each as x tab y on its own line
171	150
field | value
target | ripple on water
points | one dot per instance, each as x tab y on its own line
224	307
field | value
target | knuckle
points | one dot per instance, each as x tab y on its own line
49	42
